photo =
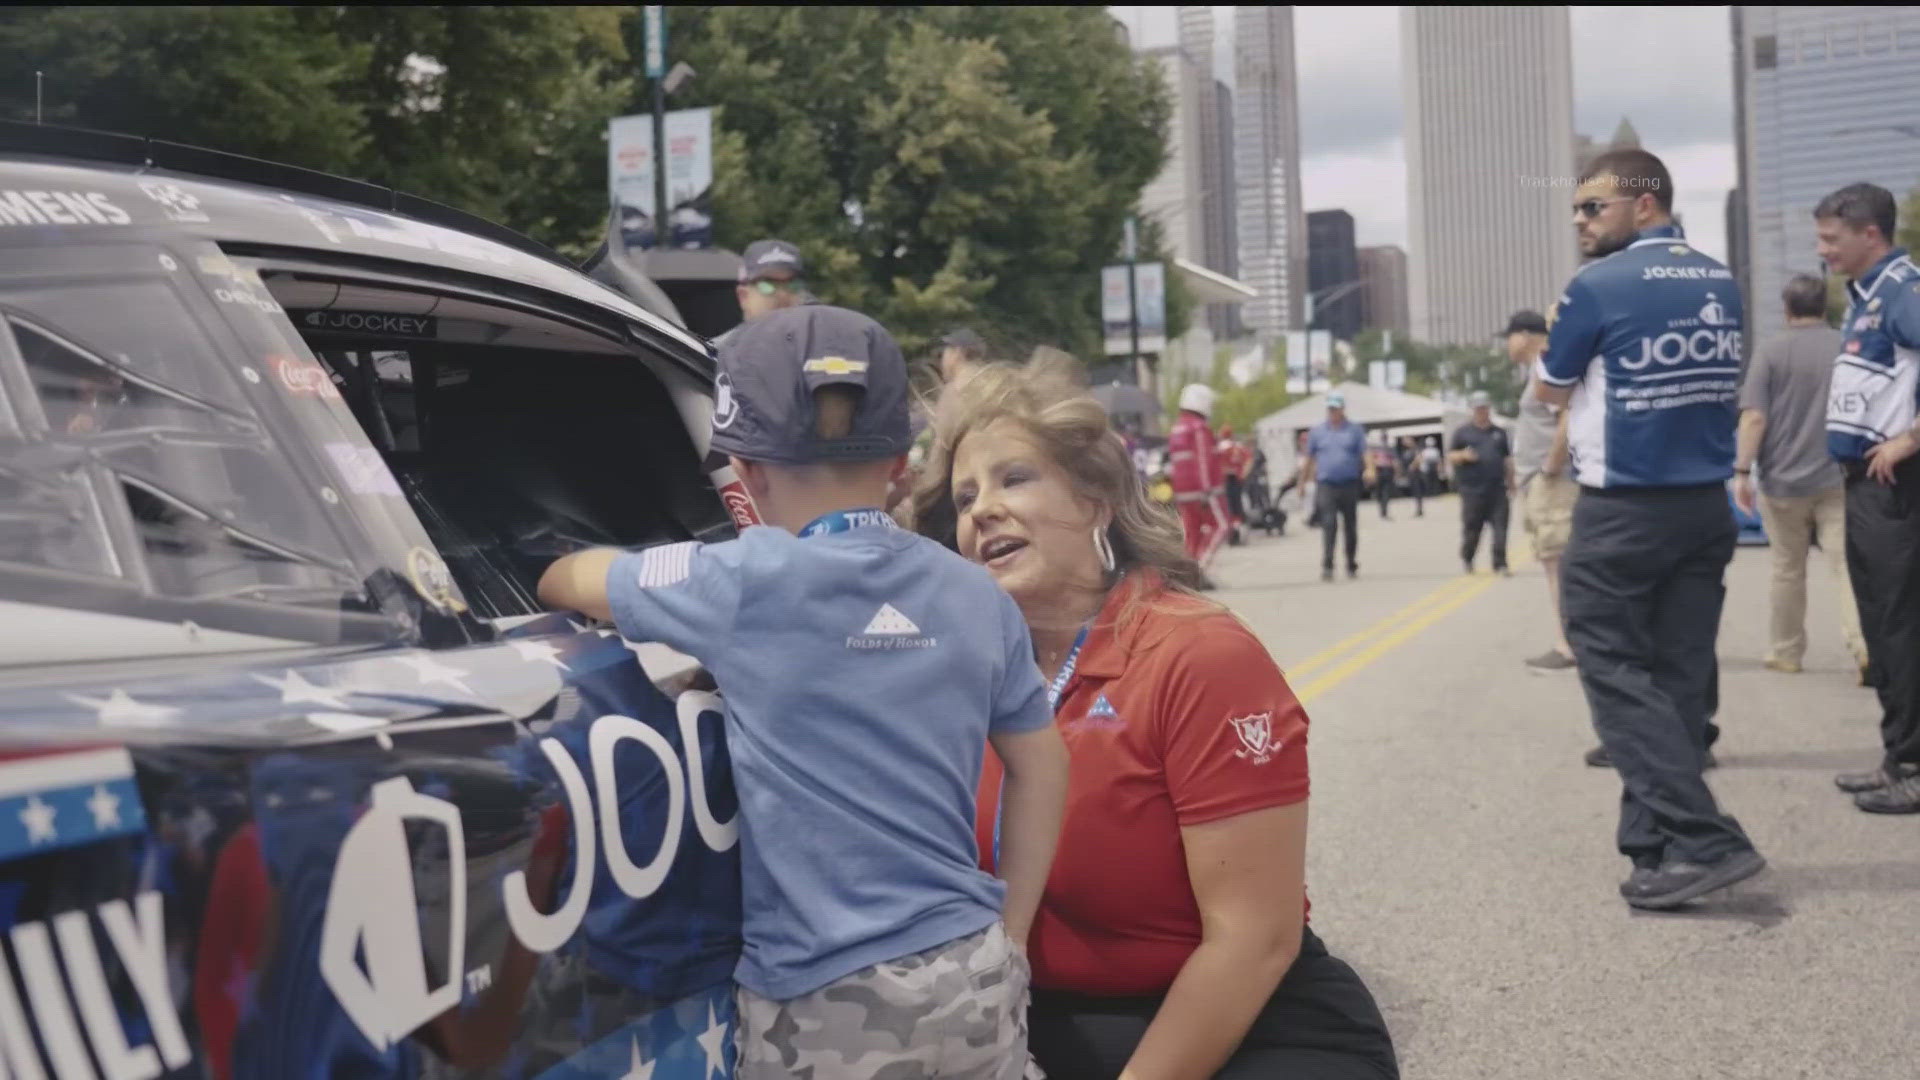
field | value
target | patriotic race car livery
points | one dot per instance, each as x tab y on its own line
296	778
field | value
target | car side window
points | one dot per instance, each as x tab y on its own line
127	415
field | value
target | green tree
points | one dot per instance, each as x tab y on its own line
935	165
499	111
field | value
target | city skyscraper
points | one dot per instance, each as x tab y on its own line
1824	97
1197	38
1333	274
1489	122
1266	136
1383	304
1225	318
1175	198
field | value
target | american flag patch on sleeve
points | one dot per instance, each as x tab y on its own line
669	564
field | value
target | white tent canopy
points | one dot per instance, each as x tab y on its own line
1392	413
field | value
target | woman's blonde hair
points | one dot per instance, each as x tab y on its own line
1048	399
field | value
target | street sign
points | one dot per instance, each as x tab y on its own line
656	28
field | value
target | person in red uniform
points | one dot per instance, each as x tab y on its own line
1172	938
1194	470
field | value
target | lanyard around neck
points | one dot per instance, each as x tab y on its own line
839	521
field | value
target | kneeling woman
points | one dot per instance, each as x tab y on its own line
1172	940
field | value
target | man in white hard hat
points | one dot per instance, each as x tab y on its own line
1194	470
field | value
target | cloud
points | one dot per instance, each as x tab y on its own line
1667	69
1347	62
1369	184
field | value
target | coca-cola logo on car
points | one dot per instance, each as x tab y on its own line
301	377
739	506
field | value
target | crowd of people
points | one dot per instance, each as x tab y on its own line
1085	854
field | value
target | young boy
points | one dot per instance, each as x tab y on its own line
865	669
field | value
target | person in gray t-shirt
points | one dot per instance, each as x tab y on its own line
1783	411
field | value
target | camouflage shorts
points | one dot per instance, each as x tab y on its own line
956	1012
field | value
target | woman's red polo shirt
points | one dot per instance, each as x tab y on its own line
1178	716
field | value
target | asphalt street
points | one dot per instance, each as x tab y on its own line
1461	854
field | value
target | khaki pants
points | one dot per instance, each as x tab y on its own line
1791	524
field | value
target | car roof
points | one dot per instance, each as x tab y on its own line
228	199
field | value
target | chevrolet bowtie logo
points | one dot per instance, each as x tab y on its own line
835	365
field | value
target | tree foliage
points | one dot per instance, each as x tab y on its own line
935	165
500	111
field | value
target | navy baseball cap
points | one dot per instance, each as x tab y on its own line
769	369
1527	322
771	260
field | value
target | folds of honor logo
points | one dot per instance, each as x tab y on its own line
1257	744
888	630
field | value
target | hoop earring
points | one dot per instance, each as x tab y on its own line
1104	549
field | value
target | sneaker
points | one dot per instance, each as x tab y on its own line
1678	882
1353	571
1853	783
1637	881
1552	660
1900	797
1326	573
1467	565
1784	667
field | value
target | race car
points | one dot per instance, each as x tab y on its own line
296	777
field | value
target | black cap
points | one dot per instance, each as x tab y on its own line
1527	322
771	259
769	369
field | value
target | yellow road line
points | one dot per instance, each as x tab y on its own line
1456	599
1326	656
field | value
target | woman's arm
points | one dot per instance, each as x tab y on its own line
1249	879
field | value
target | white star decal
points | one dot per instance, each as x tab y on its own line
296	690
539	651
117	709
578	628
713	1041
106	808
433	671
37	816
639	1070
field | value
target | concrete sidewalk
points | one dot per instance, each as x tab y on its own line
1462	854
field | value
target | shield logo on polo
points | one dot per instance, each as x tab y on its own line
1256	737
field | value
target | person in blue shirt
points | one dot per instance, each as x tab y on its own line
1337	460
1645	351
1872	431
865	670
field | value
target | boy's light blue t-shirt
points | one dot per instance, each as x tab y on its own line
862	671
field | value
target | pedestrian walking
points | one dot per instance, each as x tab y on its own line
1337	464
1483	472
857	657
1383	470
1545	491
1415	470
1645	349
1802	493
1872	431
1193	466
1234	460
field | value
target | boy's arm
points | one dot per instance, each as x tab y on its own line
578	582
1033	795
684	596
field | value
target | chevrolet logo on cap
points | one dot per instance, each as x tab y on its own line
834	365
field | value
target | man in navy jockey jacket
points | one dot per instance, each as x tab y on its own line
1871	431
1645	350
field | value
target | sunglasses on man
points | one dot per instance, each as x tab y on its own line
1591	208
767	286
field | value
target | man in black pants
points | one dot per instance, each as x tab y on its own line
1872	430
1483	471
1645	351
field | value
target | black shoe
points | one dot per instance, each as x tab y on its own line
1678	882
1326	573
1900	797
1637	881
1353	571
1853	783
1598	758
1552	660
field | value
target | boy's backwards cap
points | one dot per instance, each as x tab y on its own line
769	368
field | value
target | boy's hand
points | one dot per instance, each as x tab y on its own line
578	582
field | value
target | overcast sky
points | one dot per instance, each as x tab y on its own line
1668	69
